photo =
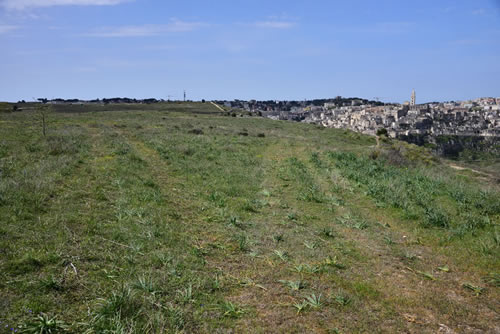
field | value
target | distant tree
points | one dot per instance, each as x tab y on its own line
382	132
203	101
15	108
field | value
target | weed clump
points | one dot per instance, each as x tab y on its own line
436	217
122	305
196	131
231	310
44	324
342	298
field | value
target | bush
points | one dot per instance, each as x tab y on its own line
436	218
382	132
374	155
394	157
196	131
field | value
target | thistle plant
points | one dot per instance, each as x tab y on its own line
314	301
333	262
327	232
242	242
43	324
301	306
474	288
294	285
145	284
278	238
231	310
312	269
283	255
310	244
298	268
342	298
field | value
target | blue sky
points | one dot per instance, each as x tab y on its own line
250	49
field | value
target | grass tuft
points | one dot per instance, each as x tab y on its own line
231	310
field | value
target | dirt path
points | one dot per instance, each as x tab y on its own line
480	174
217	106
465	168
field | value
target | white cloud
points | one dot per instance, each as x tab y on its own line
25	4
275	24
7	28
175	25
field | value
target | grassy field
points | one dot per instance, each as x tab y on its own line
174	218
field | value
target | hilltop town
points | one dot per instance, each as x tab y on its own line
479	117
